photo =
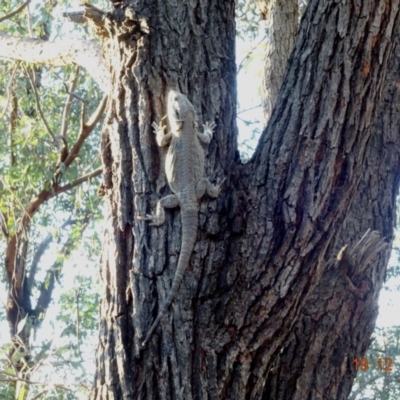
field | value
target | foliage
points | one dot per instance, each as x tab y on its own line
60	360
247	21
378	382
379	377
38	117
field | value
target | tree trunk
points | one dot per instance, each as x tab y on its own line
282	18
333	313
264	301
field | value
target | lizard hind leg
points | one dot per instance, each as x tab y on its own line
158	217
204	185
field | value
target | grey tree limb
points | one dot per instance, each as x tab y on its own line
85	53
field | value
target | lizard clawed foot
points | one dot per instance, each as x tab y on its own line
162	138
214	190
146	217
158	128
208	129
219	185
209	126
156	220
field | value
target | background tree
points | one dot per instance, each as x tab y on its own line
46	156
273	305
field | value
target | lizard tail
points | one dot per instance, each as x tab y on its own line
189	233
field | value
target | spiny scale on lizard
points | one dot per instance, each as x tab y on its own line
184	169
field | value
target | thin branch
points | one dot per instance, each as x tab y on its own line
247	122
78	320
37	99
67	106
13	125
77	182
248	109
83	117
95	117
30	210
40	394
86	129
247	56
64	83
16	11
9	88
29	22
77	97
29	382
3	224
47	194
363	385
63	152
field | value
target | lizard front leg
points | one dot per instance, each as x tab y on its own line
162	138
207	134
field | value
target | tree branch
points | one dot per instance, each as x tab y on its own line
13	124
14	70
363	385
67	106
3	225
86	128
16	11
37	100
92	16
85	53
46	194
77	182
249	54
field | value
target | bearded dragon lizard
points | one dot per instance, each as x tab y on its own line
184	169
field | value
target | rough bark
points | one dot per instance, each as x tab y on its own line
139	260
340	316
264	249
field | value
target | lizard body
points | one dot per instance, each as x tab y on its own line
184	169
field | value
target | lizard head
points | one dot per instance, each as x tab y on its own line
179	108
